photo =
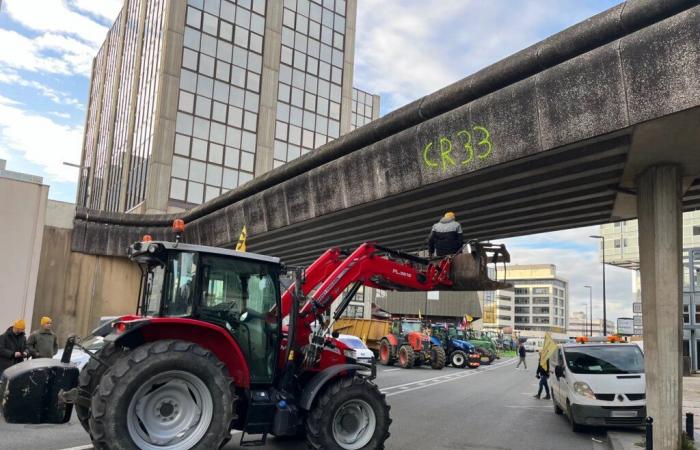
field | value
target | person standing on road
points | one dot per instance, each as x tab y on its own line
543	376
13	346
522	354
445	236
43	342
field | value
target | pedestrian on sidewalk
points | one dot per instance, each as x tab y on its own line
522	354
543	376
13	346
43	343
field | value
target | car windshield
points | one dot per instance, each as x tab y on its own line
608	359
352	342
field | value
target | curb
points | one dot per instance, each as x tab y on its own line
618	440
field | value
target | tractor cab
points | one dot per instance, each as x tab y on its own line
235	290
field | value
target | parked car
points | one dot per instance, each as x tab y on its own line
599	384
530	346
364	354
79	357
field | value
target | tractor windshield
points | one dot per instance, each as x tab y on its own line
409	327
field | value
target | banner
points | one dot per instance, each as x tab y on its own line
240	246
548	349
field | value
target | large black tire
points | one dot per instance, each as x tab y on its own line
90	378
458	359
322	417
406	357
485	353
386	354
111	402
437	357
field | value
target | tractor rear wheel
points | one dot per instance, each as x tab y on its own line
385	354
458	359
407	357
437	357
90	378
351	414
167	394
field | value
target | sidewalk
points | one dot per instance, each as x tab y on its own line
626	440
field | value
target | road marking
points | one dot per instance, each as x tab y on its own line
389	370
82	447
422	384
528	407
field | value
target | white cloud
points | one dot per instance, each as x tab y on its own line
48	52
62	115
106	9
55	16
580	266
11	77
40	140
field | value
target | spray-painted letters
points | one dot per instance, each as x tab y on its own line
461	149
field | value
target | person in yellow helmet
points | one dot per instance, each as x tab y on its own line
13	346
43	342
445	236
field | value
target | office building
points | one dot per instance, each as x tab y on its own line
541	298
580	325
191	99
497	308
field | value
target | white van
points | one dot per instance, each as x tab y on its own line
598	384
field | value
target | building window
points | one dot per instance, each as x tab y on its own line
540	310
696	231
361	108
617	243
504	307
540	300
522	291
686	314
522	319
544	290
522	310
354	311
522	300
540	320
505	318
616	224
697	314
624	242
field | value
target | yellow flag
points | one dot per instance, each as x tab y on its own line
548	349
240	247
469	318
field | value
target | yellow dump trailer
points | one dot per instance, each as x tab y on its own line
369	330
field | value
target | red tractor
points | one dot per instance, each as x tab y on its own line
409	346
215	347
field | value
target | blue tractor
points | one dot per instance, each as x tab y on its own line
460	353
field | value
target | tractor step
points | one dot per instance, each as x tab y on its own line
253	443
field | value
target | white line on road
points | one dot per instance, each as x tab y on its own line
528	407
390	370
82	447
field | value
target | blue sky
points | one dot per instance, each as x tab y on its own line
404	49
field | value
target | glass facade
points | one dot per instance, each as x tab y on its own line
146	102
310	77
362	109
106	128
125	98
219	97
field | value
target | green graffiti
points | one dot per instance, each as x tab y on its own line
427	160
445	150
464	141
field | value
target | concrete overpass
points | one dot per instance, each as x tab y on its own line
596	123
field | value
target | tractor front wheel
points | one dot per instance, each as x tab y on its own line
437	357
458	359
167	394
385	353
407	357
351	414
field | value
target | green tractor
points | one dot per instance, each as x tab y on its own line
483	343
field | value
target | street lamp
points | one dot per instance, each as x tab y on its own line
590	307
605	317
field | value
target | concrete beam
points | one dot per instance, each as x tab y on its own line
661	267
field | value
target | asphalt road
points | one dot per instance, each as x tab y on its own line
489	408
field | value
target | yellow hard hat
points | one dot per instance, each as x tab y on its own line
19	324
45	320
449	215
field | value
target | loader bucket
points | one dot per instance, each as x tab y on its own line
470	269
29	391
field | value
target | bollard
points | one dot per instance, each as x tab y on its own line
650	433
690	426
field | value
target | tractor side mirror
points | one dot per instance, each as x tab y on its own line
559	372
335	334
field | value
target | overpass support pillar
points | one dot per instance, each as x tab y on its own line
660	250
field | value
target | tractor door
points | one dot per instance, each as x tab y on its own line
243	296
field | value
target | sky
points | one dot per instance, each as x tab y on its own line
404	49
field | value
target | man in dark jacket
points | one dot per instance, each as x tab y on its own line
543	376
13	346
445	236
43	343
522	354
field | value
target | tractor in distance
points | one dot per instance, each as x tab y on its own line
409	346
460	353
215	346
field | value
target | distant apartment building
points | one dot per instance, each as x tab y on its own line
622	250
497	308
190	99
541	298
580	325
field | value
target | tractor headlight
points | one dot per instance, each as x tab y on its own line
350	354
584	390
152	248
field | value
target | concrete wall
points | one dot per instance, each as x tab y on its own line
22	208
449	304
77	289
